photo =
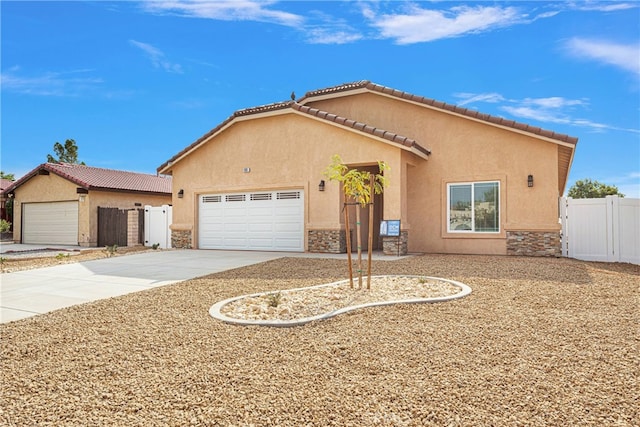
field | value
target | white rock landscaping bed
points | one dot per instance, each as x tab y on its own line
296	307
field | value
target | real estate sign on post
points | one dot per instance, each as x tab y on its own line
390	227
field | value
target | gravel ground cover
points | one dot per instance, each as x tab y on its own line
539	342
296	304
28	260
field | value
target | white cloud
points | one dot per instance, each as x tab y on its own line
625	56
554	109
602	6
554	102
469	98
417	24
628	183
538	114
331	36
68	83
228	10
157	57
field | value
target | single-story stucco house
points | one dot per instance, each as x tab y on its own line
57	203
460	181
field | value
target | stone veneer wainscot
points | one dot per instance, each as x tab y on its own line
181	239
534	243
327	241
394	245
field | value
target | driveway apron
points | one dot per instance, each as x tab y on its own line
28	293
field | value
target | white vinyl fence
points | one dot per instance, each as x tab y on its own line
601	229
157	220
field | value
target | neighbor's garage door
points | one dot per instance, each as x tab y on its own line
50	223
271	221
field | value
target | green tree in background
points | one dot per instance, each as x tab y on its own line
67	153
588	189
9	176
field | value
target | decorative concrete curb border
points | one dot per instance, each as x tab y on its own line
215	310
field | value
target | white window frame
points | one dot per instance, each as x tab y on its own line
473	220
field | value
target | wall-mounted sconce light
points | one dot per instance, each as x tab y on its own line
180	194
530	181
321	185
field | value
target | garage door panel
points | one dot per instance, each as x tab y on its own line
285	244
50	223
235	228
287	228
264	227
266	211
233	243
252	221
261	243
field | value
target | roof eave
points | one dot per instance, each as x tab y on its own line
566	180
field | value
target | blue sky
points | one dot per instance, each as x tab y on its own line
135	82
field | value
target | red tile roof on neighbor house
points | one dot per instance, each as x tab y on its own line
4	184
366	85
92	178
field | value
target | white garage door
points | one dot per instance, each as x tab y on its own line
271	220
50	223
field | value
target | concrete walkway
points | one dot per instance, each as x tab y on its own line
28	293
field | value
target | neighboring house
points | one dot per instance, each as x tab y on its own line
460	181
4	184
58	203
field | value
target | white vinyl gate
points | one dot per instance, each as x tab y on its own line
261	220
601	229
157	220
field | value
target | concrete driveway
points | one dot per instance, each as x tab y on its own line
28	293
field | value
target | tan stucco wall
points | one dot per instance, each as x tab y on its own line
283	151
463	150
53	188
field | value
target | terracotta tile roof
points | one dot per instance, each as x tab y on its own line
263	108
92	178
380	133
292	105
367	85
4	184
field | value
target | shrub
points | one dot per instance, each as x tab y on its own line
4	225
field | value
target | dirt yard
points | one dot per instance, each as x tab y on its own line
539	342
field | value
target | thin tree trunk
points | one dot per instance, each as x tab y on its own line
348	236
359	238
370	247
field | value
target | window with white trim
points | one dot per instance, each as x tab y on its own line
473	207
